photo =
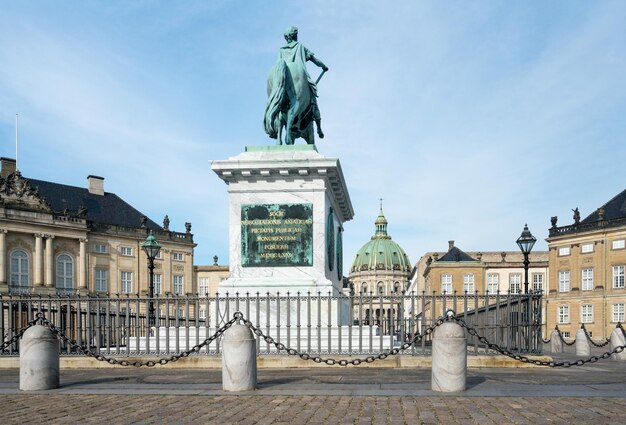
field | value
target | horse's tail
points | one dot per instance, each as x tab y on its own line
277	98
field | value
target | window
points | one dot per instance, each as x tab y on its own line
396	288
381	288
515	283
468	282
158	287
446	283
586	248
65	272
618	312
100	248
177	284
159	255
178	256
566	334
586	313
564	281
20	272
127	251
619	244
202	314
537	282
564	251
587	279
618	277
127	282
493	283
563	314
364	288
203	285
100	279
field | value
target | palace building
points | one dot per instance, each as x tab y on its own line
587	263
67	240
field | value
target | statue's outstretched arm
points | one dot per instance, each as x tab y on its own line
319	63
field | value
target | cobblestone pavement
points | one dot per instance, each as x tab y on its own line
594	394
123	409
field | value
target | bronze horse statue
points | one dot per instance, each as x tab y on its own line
292	95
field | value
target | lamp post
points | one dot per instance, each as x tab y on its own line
151	247
526	241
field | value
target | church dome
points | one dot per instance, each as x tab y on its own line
381	252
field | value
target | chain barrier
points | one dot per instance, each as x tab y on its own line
563	339
342	362
524	359
38	318
595	344
148	363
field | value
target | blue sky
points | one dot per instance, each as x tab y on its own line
468	118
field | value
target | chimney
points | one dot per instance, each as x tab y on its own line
96	185
8	166
450	245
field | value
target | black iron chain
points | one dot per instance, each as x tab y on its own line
342	362
148	363
524	359
39	317
595	344
563	339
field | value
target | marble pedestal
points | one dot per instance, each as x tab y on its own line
556	345
277	179
449	358
617	340
582	344
39	360
239	371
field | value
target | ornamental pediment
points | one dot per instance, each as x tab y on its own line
16	191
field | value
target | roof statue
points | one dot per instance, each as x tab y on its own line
292	94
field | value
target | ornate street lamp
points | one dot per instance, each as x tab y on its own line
526	241
151	247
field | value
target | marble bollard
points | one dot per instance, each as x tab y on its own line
238	359
556	344
617	340
449	353
582	344
39	359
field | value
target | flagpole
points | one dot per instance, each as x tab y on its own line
16	140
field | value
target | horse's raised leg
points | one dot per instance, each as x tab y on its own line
310	135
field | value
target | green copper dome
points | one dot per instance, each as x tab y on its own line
381	252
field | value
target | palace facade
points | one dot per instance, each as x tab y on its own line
68	240
587	264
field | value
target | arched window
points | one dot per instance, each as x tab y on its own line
20	272
381	288
65	272
396	288
364	288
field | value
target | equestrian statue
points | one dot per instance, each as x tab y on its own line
292	95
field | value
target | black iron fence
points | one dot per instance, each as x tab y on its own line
315	323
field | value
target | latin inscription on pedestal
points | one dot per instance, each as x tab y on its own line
276	235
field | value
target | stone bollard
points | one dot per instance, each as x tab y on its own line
556	345
582	344
238	359
449	368
39	359
617	339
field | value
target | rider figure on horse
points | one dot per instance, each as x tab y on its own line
292	94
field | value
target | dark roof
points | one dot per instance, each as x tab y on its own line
614	209
103	209
455	254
